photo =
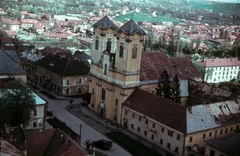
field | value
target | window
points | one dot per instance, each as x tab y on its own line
80	80
132	126
145	133
121	51
178	137
153	125
67	81
152	137
176	149
133	115
212	153
109	43
35	112
162	130
190	139
170	133
203	136
92	90
210	134
116	102
34	124
236	127
146	121
226	130
139	129
221	132
96	44
105	69
103	94
126	112
168	145
161	141
134	52
139	118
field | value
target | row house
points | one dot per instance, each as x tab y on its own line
13	25
220	70
58	36
28	23
38	115
226	145
62	75
38	28
29	60
175	128
10	67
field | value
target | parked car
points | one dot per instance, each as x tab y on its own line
103	144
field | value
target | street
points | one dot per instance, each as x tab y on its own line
57	106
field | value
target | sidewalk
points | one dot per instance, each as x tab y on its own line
98	123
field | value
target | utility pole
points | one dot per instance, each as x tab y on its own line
80	134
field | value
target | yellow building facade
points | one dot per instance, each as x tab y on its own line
115	68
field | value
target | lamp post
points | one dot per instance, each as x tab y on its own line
80	134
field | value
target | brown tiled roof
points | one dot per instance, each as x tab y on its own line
160	109
220	62
52	142
154	63
37	141
63	66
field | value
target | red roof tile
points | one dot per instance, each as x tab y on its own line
160	109
154	63
37	141
220	62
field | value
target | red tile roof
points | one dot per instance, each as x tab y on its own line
37	141
220	62
154	63
52	142
160	109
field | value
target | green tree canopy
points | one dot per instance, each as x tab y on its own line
17	101
163	86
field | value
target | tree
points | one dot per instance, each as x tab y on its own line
163	86
176	90
17	102
3	34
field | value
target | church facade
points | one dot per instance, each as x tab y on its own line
115	68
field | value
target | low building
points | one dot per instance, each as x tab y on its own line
220	70
175	128
62	75
38	115
223	146
18	142
10	67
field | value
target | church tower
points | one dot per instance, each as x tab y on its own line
115	68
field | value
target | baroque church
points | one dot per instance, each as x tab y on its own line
119	67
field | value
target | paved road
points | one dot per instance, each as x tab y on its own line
87	133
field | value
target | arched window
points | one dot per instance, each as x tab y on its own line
96	44
134	52
103	94
121	51
109	43
105	69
